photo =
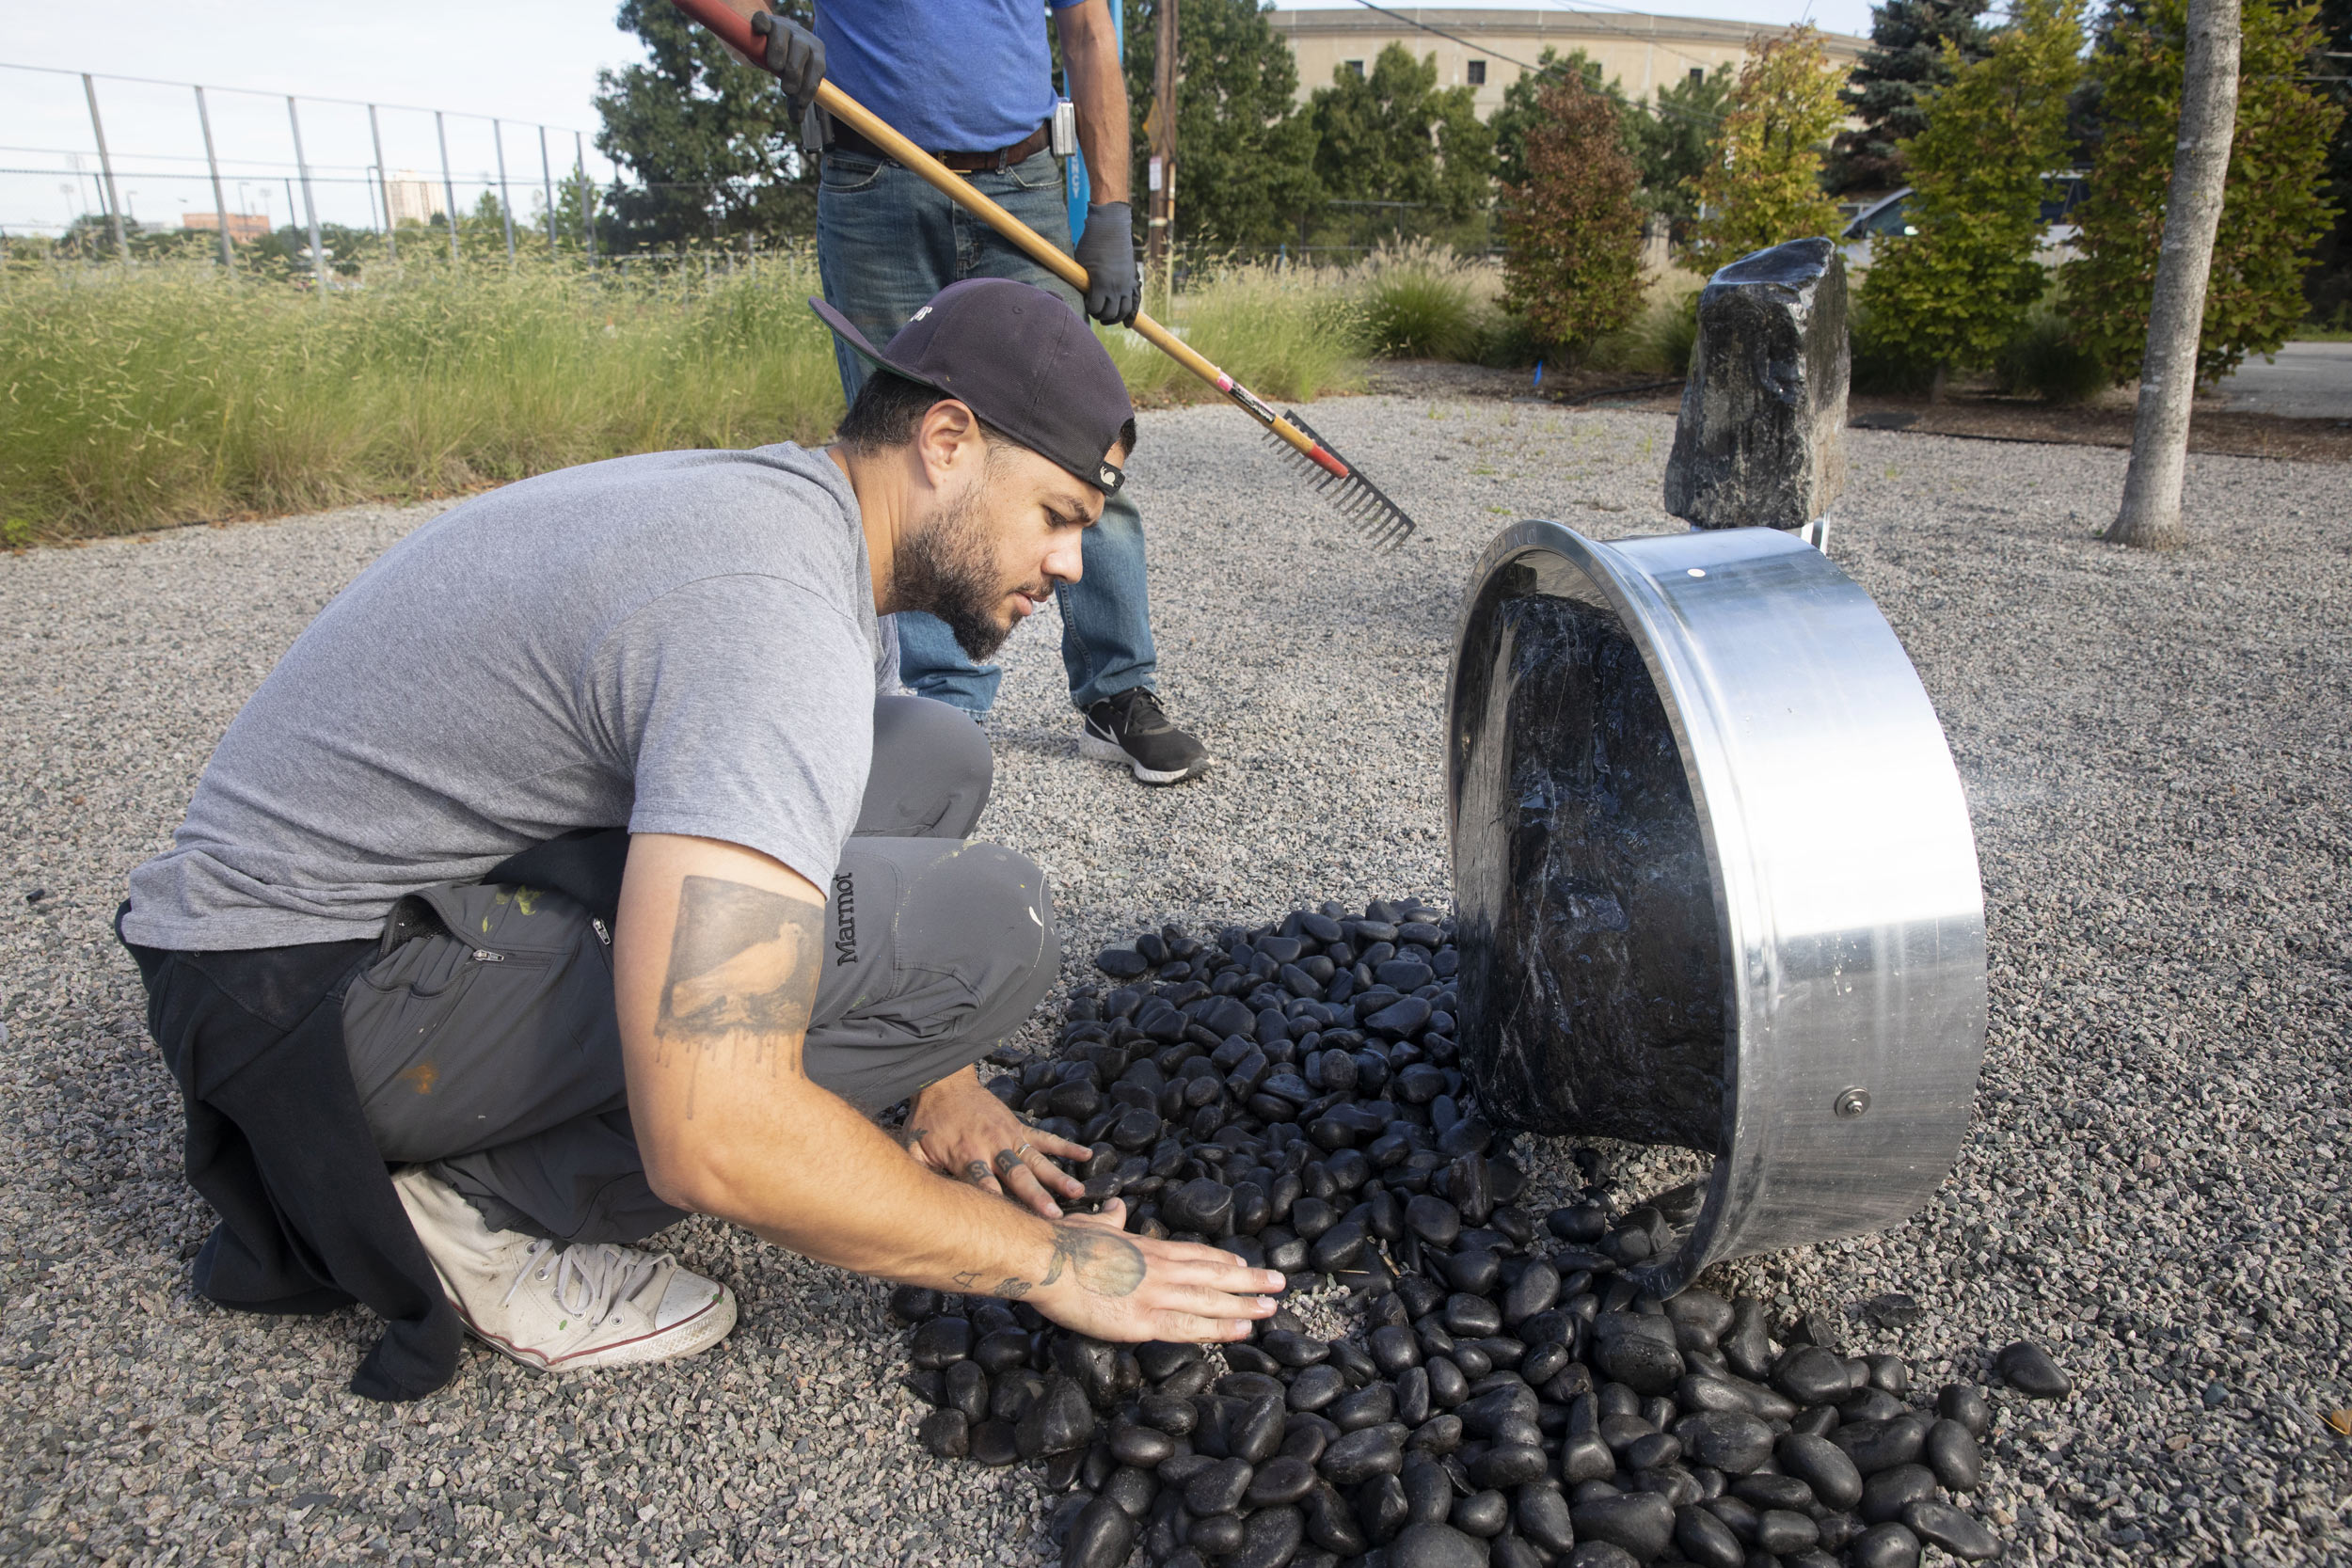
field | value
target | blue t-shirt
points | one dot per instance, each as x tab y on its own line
949	76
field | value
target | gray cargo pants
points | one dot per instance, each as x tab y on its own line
483	1043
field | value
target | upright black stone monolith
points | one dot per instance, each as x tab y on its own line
1760	442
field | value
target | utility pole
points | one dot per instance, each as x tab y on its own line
106	164
309	202
1160	230
2151	513
383	179
220	201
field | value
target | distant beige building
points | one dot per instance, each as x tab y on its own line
414	198
1642	54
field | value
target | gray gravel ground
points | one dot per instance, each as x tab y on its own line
2155	749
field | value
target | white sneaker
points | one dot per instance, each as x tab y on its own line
562	1308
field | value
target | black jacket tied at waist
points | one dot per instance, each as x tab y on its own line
278	1145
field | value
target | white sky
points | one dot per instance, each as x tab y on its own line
530	62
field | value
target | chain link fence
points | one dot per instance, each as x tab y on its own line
105	162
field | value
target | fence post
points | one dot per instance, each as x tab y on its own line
309	204
449	187
383	180
580	166
506	201
547	189
220	201
107	166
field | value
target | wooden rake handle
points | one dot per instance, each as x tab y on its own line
736	31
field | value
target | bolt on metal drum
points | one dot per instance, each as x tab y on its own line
1715	879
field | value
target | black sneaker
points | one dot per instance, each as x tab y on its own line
1131	728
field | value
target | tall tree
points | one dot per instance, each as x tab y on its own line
1673	137
1915	48
1572	233
1763	181
1521	111
1245	148
705	138
1391	135
2327	286
2151	513
2274	202
1957	287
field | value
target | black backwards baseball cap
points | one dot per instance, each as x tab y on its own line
1018	358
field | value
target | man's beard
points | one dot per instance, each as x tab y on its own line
948	569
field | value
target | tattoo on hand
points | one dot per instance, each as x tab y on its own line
1098	1262
743	962
975	1172
1007	1160
909	1136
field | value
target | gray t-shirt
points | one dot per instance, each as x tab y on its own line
684	642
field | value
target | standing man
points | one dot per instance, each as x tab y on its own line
971	82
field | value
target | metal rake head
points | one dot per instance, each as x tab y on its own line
1359	501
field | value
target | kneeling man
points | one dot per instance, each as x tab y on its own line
577	870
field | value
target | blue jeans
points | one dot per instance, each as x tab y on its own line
886	244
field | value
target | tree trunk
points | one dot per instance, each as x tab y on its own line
2150	514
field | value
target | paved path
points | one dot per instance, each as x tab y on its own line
2158	754
2308	381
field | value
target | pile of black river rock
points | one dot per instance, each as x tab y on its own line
1507	1398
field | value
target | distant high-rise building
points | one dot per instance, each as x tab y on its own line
414	198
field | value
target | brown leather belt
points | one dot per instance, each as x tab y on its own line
847	140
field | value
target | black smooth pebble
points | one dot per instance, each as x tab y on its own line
1963	1402
946	1433
1102	1537
1706	1540
1888	1546
1641	1522
1885	1496
1942	1525
2028	1368
1822	1467
1952	1453
1431	1546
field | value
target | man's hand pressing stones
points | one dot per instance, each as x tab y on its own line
1103	1282
958	1128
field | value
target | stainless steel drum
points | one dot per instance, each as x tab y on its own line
1714	878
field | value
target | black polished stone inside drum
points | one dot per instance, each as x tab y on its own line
1593	994
1715	885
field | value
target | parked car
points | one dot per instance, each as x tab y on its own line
1889	215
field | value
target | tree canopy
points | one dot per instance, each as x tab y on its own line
1572	232
1952	294
1763	184
1915	48
706	140
1245	151
1394	135
2276	202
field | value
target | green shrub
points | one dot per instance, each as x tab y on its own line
1879	365
1658	341
1418	302
2044	361
1292	333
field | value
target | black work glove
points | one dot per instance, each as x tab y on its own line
795	55
1107	251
